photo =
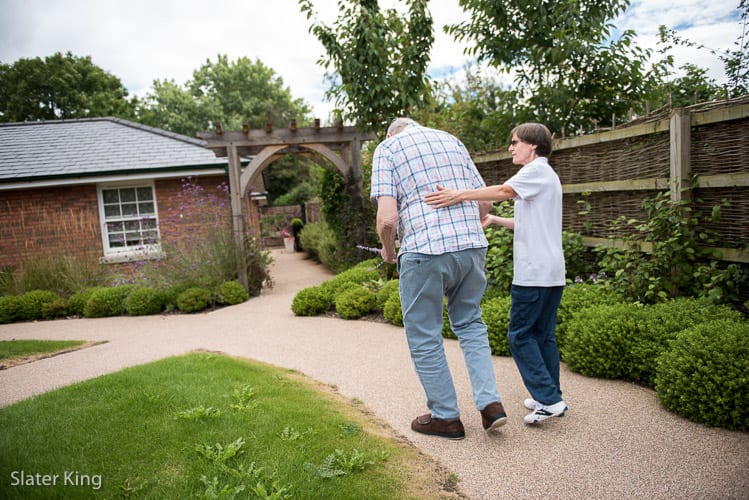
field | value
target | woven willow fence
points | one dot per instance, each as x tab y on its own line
609	174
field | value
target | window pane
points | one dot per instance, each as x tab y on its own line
146	208
133	238
116	240
110	195
145	194
132	225
148	224
112	211
113	227
129	209
127	194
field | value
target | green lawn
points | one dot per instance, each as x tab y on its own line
13	351
205	426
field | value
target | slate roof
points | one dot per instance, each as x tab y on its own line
47	150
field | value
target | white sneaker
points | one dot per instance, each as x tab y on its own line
531	404
542	412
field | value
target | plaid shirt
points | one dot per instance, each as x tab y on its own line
409	165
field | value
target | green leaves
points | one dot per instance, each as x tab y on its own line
60	87
379	59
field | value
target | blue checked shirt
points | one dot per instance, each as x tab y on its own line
409	165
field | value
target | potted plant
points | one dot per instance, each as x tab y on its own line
288	240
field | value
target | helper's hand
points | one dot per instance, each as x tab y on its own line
443	197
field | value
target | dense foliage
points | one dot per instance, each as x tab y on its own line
60	87
379	59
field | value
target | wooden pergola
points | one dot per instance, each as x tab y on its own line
340	145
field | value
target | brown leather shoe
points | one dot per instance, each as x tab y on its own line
493	416
450	429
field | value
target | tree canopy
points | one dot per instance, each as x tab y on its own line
380	59
60	87
232	93
569	70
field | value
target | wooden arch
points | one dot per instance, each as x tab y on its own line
340	145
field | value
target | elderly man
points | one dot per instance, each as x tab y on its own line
441	255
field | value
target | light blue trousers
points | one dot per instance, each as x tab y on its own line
425	281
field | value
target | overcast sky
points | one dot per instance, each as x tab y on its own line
140	41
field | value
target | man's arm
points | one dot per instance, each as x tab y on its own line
387	226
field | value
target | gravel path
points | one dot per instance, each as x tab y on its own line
615	442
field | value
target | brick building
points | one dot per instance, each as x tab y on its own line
104	188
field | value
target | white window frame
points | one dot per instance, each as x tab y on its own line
122	222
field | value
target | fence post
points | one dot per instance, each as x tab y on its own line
680	168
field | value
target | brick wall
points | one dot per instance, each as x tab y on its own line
38	223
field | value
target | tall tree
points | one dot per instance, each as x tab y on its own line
570	72
377	60
60	87
232	93
480	110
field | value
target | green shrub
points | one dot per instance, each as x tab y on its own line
316	239
496	315
106	302
703	376
231	292
447	328
392	311
579	296
77	301
144	301
383	294
56	309
355	302
311	301
661	323
9	307
598	338
31	304
194	299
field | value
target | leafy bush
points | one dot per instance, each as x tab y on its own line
355	302
598	338
231	292
9	307
194	299
56	309
64	275
680	261
317	239
31	304
392	311
144	301
624	340
579	296
106	302
77	301
660	324
447	329
311	301
703	374
496	315
383	294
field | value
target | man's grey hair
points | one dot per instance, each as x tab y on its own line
399	124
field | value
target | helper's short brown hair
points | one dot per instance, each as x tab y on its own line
536	134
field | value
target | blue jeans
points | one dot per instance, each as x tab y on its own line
425	281
533	341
